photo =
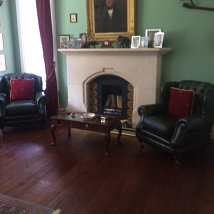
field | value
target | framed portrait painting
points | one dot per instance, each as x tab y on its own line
108	19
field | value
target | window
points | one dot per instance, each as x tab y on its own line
31	53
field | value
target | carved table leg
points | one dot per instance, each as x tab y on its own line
69	130
53	128
108	139
119	128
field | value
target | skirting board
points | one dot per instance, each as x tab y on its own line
125	131
131	132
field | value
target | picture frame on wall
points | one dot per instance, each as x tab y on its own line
135	41
2	62
150	33
158	40
1	42
64	41
73	17
122	15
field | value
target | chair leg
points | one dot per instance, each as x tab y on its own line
141	143
2	128
177	159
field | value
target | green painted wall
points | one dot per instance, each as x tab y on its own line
8	29
189	32
63	9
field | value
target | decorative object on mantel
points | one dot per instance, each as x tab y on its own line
77	43
192	5
151	33
135	41
144	42
106	44
123	42
92	44
83	37
121	14
64	41
158	40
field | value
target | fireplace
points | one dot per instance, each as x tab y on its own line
110	94
140	69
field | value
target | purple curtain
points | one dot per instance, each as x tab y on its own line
45	26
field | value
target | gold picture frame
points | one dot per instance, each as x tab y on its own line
96	34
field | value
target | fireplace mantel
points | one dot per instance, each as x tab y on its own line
140	67
143	51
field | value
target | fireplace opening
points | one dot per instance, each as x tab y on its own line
112	95
112	99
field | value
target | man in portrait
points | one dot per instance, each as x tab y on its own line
110	16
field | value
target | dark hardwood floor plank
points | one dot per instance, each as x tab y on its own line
76	177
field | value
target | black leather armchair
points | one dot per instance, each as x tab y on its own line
178	135
21	112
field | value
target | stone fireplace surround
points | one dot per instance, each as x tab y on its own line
140	67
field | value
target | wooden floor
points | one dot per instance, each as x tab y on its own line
76	177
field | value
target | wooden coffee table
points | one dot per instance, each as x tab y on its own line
90	122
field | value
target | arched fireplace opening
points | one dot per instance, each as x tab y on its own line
110	94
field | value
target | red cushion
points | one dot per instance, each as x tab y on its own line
22	89
181	102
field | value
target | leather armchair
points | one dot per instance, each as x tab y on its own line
178	135
21	112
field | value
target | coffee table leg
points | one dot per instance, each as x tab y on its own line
119	128
108	139
53	128
69	130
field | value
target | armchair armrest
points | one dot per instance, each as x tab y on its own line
41	101
3	98
3	102
193	122
41	98
153	109
189	124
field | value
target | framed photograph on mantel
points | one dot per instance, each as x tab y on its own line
64	41
150	33
108	19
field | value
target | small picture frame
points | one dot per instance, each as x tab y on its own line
158	40
151	33
135	41
2	62
64	41
73	17
1	42
77	43
83	37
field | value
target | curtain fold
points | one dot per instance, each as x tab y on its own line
45	27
